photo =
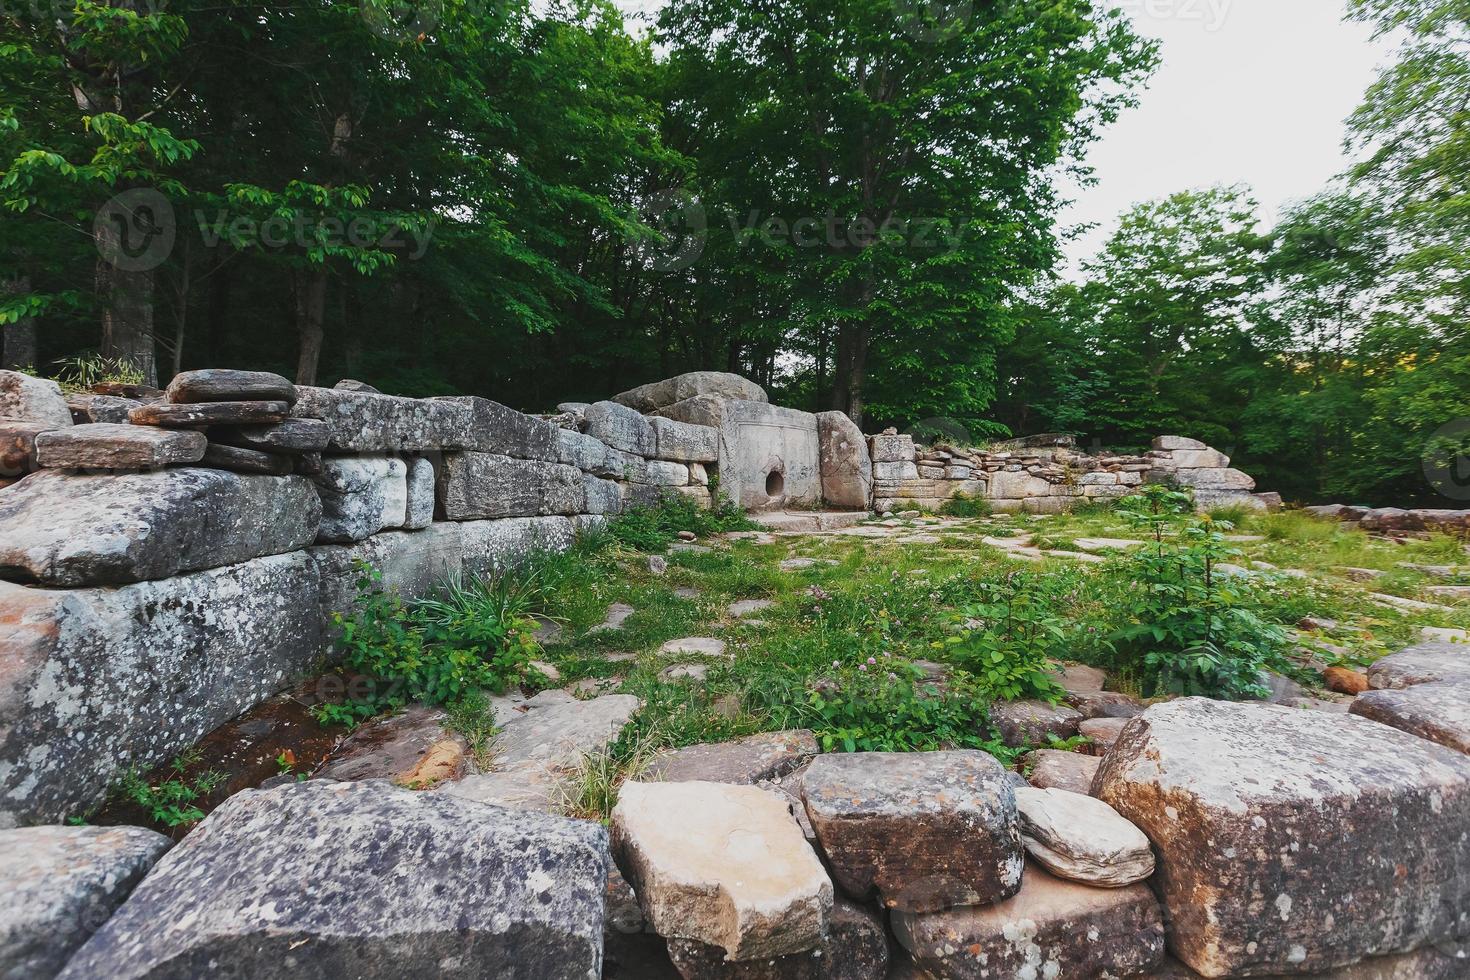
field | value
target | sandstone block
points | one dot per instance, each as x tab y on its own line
683	442
367	422
27	399
272	882
1437	712
479	486
1214	479
18	446
742	877
1052	928
201	416
622	428
896	472
1022	723
1018	486
71	530
706	410
696	384
106	446
666	474
58	885
846	467
924	830
1200	459
361	495
603	496
1082	839
87	407
221	385
1070	771
1288	799
891	449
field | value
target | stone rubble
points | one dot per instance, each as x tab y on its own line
1082	839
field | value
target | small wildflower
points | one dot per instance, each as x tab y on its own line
872	660
863	668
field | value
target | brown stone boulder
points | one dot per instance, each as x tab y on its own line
1025	723
1054	769
769	755
925	830
1272	825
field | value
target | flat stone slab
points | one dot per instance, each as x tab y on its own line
1070	771
1023	723
1051	928
1082	839
1422	664
58	885
223	385
62	529
1305	812
855	947
617	615
277	877
210	413
1437	712
109	446
749	607
289	436
486	486
747	761
700	646
695	673
924	830
740	877
238	459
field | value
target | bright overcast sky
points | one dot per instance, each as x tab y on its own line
1252	91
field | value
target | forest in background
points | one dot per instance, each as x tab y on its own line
853	202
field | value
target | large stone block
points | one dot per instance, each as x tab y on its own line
666	474
925	831
18	446
483	486
109	446
29	399
1214	479
94	681
895	472
1438	712
59	884
855	947
685	443
707	410
1019	486
769	456
891	449
421	486
1051	928
494	428
367	422
741	877
580	450
603	496
716	384
1194	459
846	468
361	495
61	529
1271	824
1172	443
622	428
364	880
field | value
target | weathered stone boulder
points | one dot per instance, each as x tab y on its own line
108	446
238	459
855	947
367	422
580	450
602	496
621	428
290	436
58	885
1437	712
1023	723
750	760
847	469
86	407
422	493
18	446
717	384
1051	928
1214	479
361	495
1055	769
1082	839
481	486
494	428
924	830
275	882
28	399
1170	444
392	748
707	410
61	529
1270	824
223	385
741	876
683	442
1426	663
665	474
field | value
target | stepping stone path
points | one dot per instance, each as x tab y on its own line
740	877
690	672
746	761
1408	605
1051	928
1351	803
746	607
1107	544
360	880
1071	771
687	592
699	646
58	884
617	615
925	831
1082	839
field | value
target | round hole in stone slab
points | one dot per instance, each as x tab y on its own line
775	483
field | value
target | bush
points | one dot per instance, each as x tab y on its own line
1010	639
963	505
655	528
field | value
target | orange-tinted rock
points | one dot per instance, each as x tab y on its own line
1345	681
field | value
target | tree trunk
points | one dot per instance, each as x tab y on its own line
127	318
310	287
19	348
850	370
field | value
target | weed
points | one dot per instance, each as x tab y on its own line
963	505
171	802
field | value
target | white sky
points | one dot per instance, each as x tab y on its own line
1252	91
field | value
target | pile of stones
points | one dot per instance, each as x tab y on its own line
1396	521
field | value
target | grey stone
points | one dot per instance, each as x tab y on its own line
361	495
665	474
769	755
238	459
272	884
28	399
846	468
1171	443
618	465
1425	663
897	472
290	436
683	442
617	614
716	384
1051	928
580	450
351	384
854	947
480	486
746	607
421	482
1289	801
707	410
107	446
925	830
891	448
222	385
1200	459
86	407
205	414
1214	479
1082	839
602	496
366	422
70	530
702	646
769	456
1026	723
58	885
1055	769
621	428
1437	712
494	428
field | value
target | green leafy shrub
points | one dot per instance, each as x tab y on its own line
963	505
655	528
1009	639
172	801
